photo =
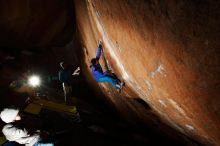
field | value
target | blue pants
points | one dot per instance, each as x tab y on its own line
43	144
109	80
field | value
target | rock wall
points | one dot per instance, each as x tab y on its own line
167	52
34	24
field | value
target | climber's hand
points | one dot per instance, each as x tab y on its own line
100	44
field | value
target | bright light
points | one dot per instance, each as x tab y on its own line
34	81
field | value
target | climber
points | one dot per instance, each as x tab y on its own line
101	76
65	77
16	129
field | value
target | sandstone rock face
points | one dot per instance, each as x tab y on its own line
167	52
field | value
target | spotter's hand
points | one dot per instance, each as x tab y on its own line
76	72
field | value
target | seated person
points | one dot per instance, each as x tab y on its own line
14	131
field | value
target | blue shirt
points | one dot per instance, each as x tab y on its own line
97	71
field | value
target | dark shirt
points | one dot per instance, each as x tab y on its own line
64	76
